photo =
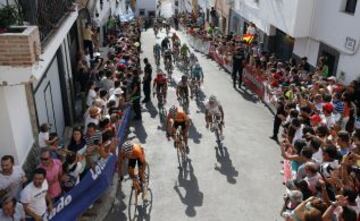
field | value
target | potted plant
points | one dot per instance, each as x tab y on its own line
8	17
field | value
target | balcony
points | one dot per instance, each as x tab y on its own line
46	14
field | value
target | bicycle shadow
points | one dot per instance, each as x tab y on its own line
226	167
194	134
151	109
192	197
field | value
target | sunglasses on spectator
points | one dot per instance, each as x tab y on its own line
44	158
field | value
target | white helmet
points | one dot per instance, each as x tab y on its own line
212	98
127	147
173	109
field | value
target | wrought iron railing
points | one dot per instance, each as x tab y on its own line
46	14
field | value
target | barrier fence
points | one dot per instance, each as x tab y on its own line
92	185
252	77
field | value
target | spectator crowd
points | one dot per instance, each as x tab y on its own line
316	124
110	82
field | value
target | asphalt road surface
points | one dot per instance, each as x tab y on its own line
240	182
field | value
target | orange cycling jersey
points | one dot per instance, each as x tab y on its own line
138	152
180	117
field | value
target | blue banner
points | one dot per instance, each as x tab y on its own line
91	187
74	203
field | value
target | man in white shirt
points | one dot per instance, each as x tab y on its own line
44	140
35	197
116	96
11	178
11	210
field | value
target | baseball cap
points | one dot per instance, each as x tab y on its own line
315	118
328	107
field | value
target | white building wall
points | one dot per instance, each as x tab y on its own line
16	136
292	17
332	27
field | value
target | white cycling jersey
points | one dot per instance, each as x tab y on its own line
213	109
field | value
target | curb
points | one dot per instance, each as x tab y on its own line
103	205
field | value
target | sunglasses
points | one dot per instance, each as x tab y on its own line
44	159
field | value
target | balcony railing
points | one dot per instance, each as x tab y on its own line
46	14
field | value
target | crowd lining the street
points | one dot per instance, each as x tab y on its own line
319	120
111	82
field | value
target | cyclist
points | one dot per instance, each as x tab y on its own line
193	59
177	117
175	38
157	53
165	43
197	75
182	89
135	155
214	109
184	51
167	57
160	83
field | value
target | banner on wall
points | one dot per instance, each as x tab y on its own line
91	187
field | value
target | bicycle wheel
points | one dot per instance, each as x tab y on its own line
133	206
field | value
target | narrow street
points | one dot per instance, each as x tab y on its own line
242	183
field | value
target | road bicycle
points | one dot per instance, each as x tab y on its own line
195	88
215	127
157	59
161	107
184	101
139	190
180	147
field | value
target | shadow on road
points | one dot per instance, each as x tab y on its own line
151	109
118	208
200	102
194	134
246	95
140	131
192	197
226	168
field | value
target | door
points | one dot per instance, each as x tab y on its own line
332	57
48	99
284	45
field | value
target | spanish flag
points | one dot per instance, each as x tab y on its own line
248	38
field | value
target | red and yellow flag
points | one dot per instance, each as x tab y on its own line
248	38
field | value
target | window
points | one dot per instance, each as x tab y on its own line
350	6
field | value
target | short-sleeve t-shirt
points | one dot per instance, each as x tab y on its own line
35	197
43	136
12	183
19	214
52	177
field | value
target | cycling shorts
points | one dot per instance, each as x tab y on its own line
178	124
133	162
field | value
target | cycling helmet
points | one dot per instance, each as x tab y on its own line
173	109
127	147
212	98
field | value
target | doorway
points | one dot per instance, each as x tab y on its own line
332	57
